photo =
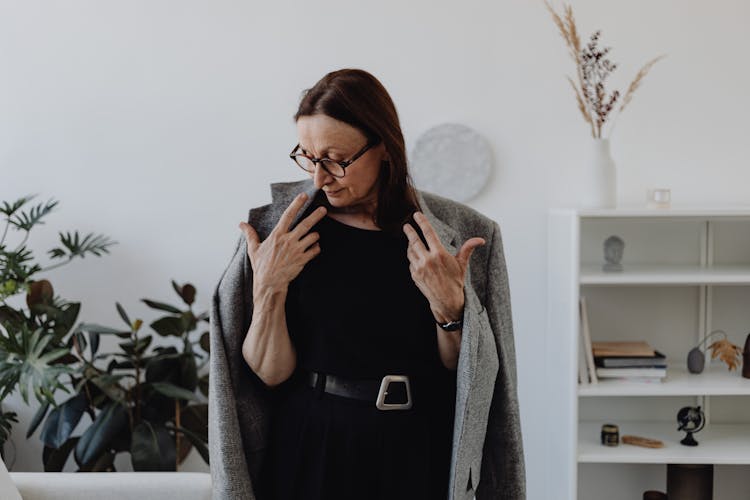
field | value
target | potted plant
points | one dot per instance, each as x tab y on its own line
34	341
143	402
598	104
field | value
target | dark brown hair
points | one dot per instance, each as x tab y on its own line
356	97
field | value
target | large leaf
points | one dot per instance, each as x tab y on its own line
205	342
189	321
54	459
195	419
103	330
161	306
168	326
153	448
195	440
203	384
38	417
75	246
188	372
173	391
165	367
157	408
26	220
62	421
103	463
107	424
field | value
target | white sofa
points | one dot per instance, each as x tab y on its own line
104	485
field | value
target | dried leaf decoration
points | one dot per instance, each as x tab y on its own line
727	352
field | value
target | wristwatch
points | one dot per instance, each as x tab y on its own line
451	326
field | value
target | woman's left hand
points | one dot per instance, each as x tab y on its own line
438	274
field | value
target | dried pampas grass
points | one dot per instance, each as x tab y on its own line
592	70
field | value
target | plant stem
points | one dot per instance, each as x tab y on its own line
177	434
54	266
20	246
7	225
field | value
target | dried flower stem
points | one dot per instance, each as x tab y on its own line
592	69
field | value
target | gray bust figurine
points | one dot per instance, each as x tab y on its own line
613	250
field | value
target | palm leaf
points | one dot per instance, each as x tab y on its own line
26	220
75	246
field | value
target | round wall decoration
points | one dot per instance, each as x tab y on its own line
451	160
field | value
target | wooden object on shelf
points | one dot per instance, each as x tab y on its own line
642	441
624	349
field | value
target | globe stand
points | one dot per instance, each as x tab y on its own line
689	440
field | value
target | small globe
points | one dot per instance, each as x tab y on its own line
690	419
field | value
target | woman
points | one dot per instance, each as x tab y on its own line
354	349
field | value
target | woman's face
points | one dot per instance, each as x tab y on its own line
321	136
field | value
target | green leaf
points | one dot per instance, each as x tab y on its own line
63	420
194	417
54	459
168	325
195	440
136	348
94	342
75	246
189	322
203	384
102	330
38	417
103	463
205	342
26	220
123	314
9	210
188	372
173	391
161	306
107	424
153	448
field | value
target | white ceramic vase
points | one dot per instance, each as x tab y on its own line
599	179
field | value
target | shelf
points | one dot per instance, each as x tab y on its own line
715	380
718	444
688	212
664	274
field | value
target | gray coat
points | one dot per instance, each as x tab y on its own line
487	457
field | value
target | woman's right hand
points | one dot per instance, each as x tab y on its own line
280	258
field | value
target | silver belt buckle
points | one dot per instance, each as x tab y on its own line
382	405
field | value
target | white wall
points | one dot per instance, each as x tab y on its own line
161	122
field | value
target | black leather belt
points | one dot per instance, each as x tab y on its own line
393	392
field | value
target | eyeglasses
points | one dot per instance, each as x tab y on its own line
335	168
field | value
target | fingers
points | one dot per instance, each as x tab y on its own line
250	235
309	240
414	242
464	254
308	222
312	252
433	241
291	211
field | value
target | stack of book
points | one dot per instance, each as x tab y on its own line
632	361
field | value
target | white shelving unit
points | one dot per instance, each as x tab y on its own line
686	272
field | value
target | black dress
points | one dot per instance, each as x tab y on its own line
354	311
